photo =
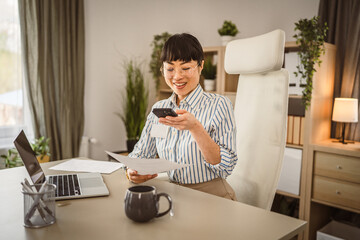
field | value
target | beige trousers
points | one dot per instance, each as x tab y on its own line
218	187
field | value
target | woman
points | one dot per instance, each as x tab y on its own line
203	133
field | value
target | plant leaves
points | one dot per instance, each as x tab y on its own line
135	101
310	39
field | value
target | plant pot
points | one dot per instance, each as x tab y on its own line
43	159
209	85
226	39
2	163
130	144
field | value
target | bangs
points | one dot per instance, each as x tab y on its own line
183	47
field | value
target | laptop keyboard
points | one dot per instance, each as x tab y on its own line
66	185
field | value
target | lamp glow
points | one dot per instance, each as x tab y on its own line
345	111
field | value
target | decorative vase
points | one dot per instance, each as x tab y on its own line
209	85
130	144
43	158
225	39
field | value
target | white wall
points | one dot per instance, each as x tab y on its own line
118	29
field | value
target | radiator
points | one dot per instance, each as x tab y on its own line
85	146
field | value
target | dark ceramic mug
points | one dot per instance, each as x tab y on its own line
142	203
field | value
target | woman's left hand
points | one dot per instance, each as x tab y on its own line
184	120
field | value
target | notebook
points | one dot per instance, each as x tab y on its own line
68	186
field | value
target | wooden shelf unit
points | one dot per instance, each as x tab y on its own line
333	182
317	123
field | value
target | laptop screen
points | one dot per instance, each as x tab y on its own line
29	159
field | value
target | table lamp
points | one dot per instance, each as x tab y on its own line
345	111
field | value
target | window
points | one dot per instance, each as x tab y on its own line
14	113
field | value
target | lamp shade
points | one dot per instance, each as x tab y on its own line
345	110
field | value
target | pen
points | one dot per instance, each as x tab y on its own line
41	201
35	203
42	204
27	189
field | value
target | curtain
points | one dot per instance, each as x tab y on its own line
343	19
53	45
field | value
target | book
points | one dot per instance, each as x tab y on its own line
296	131
302	130
296	107
290	129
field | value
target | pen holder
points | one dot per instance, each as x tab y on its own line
39	207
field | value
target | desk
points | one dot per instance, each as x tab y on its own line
197	215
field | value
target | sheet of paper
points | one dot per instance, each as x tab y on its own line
82	165
147	166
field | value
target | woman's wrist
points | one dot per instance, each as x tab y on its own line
197	128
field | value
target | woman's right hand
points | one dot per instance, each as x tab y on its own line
136	178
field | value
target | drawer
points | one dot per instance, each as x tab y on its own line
336	192
337	166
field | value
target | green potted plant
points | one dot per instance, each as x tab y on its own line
311	39
12	159
227	32
209	74
135	103
41	149
155	63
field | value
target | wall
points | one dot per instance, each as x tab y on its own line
119	29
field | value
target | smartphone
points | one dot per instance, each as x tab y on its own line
163	112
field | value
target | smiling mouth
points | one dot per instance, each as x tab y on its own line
179	84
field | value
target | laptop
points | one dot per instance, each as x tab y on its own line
68	186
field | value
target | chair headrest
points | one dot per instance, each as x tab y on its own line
258	54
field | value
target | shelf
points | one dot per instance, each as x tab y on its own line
335	205
294	146
291	47
295	96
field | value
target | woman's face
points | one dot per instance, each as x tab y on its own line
182	77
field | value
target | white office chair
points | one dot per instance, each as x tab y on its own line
261	115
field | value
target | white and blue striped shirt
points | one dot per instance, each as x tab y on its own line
215	113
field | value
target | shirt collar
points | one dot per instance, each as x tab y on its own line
172	99
192	99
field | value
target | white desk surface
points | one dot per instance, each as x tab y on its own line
197	215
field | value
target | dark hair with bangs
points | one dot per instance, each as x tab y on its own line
184	47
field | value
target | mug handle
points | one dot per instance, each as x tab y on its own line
170	203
